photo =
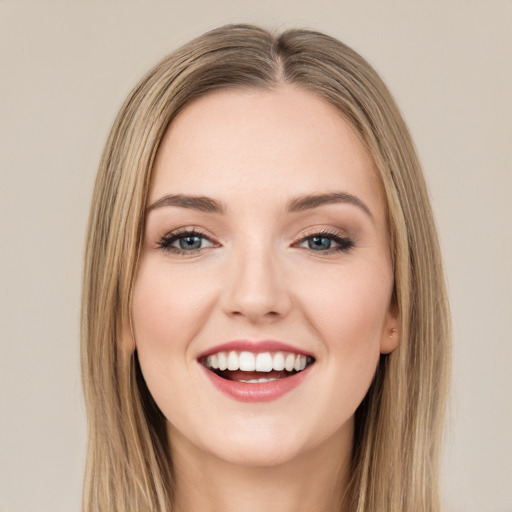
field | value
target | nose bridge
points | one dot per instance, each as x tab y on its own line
256	288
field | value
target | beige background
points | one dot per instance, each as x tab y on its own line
65	68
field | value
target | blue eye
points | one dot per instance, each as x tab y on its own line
185	242
319	243
326	242
189	242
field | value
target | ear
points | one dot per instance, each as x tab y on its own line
391	331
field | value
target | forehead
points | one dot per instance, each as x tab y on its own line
262	145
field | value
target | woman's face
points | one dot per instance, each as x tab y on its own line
265	247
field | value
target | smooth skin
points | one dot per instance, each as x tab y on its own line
319	279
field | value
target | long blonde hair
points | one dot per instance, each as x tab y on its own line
398	426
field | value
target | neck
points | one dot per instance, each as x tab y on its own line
315	481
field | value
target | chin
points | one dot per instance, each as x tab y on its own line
245	442
256	455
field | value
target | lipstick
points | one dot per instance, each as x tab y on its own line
256	371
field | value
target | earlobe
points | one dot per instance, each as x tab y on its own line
390	340
391	332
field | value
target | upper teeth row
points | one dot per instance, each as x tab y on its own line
261	362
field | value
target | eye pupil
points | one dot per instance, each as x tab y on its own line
319	242
190	242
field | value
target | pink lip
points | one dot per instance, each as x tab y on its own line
257	392
254	346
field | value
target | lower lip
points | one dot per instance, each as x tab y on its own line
256	392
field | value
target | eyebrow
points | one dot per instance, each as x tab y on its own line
309	201
201	203
298	204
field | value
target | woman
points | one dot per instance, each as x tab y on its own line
264	315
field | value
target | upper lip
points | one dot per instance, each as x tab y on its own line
255	347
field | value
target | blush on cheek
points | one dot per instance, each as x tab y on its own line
352	316
349	314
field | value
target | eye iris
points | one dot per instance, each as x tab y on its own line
319	242
190	242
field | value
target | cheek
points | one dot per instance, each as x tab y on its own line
349	307
349	313
167	306
164	313
167	312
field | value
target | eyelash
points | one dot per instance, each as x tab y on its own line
167	240
345	244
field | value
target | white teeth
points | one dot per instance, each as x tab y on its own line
290	362
233	361
212	361
262	362
256	381
223	362
247	362
278	361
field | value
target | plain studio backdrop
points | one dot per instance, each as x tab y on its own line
66	67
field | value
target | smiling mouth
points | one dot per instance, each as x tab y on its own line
253	368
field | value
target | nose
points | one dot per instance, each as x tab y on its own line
256	287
